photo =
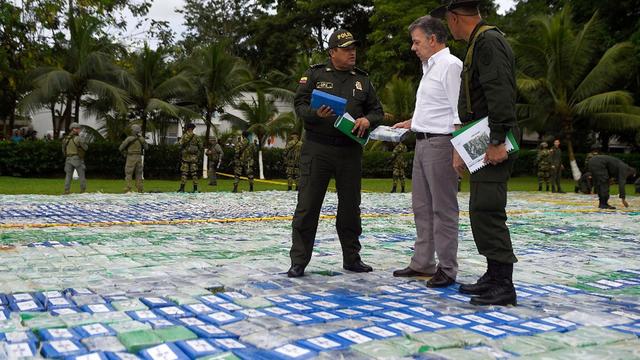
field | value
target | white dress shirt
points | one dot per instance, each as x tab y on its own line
436	108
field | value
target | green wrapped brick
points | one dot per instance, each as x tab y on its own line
131	325
223	356
175	333
137	340
432	341
383	349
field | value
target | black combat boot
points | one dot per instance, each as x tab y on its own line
235	188
539	187
250	186
502	291
604	204
195	188
393	189
483	284
288	187
547	187
181	188
402	189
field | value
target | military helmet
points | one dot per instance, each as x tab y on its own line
135	128
544	144
74	125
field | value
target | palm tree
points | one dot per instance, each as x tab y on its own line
152	86
399	99
88	69
219	79
261	118
561	86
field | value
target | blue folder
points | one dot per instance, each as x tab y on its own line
336	103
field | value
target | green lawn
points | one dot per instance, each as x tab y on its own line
15	185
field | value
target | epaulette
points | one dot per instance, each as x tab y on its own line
360	71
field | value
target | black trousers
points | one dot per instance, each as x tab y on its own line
318	163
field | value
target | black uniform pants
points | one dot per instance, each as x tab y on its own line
318	163
601	183
487	213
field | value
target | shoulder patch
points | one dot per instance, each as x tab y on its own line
303	80
360	71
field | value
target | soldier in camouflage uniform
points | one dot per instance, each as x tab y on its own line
74	148
243	160
132	147
191	146
214	152
292	160
399	163
544	165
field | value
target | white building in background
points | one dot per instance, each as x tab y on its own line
41	122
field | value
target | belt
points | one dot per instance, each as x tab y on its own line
422	136
329	140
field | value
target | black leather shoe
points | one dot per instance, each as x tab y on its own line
295	271
481	286
440	279
607	206
358	266
409	272
501	293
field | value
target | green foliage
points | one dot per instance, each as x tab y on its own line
399	99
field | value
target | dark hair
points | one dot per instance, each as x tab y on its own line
430	26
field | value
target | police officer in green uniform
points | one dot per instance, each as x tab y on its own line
190	146
488	88
399	164
544	165
244	151
292	160
74	148
132	147
327	152
604	167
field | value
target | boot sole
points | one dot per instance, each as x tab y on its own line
499	303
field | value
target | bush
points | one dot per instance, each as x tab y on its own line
103	160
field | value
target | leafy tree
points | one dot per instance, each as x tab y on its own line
399	99
561	85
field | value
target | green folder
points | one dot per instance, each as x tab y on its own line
345	124
510	136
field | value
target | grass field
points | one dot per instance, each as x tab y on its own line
15	185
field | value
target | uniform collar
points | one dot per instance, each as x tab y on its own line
475	30
329	67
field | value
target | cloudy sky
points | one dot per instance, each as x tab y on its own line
165	10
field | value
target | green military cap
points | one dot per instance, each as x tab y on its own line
341	39
449	5
74	125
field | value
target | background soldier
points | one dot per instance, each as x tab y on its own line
327	152
133	147
604	167
74	148
243	159
190	145
544	165
215	154
556	167
399	163
488	89
292	160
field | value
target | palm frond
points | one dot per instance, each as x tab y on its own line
602	102
117	96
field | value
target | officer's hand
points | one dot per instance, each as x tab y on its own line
496	154
624	202
362	124
403	125
458	164
324	111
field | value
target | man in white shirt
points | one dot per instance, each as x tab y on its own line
434	179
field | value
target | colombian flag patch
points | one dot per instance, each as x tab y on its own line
303	80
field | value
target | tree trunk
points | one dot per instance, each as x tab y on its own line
77	109
207	121
143	116
54	123
66	115
575	170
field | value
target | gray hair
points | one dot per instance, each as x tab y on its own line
430	26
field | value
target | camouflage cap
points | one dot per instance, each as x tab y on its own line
136	128
341	39
74	125
449	5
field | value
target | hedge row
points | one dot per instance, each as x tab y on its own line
44	159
